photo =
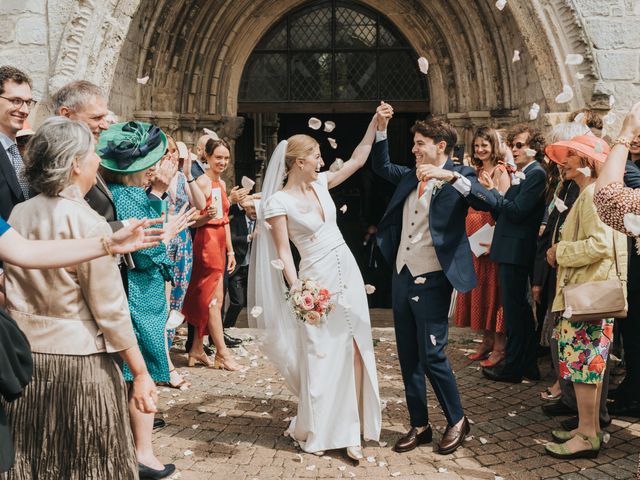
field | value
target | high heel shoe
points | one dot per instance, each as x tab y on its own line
355	453
200	358
560	450
481	354
226	363
498	356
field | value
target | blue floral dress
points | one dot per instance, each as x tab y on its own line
146	286
180	251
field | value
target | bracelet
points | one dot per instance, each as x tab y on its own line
106	244
192	180
231	254
623	141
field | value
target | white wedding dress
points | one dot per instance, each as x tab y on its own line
328	413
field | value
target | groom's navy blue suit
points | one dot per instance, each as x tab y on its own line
422	326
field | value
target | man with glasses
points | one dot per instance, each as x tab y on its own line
16	102
519	214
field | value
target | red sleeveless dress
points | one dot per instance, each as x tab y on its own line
209	262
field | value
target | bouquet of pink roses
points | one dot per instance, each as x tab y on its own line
310	302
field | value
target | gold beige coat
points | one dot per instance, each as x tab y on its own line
79	310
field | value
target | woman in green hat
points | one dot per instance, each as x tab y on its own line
128	152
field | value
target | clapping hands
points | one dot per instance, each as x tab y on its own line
486	181
177	223
238	194
134	237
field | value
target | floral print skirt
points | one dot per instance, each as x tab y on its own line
583	349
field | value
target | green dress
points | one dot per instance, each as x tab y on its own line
146	286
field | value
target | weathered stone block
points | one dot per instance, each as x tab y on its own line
608	34
31	30
7	30
618	65
595	8
12	7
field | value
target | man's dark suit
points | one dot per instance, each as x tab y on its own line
422	326
519	214
10	192
237	287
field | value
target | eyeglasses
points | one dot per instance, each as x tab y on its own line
18	102
519	145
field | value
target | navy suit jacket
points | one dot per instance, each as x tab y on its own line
10	192
447	216
519	215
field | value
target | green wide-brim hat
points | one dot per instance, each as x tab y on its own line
131	147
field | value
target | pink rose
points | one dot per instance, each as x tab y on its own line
312	318
306	302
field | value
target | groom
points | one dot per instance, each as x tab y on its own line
422	236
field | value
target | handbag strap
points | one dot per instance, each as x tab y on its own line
575	239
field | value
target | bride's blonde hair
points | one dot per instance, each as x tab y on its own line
298	146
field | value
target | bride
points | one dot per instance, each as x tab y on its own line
330	367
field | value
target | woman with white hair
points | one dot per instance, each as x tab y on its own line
77	397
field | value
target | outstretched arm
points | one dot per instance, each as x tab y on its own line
358	158
380	160
17	250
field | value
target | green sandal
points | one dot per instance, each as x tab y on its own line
561	436
560	450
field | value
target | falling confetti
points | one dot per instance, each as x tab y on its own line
568	312
277	264
315	123
370	289
500	4
143	80
573	59
609	118
579	75
579	118
417	238
516	56
420	280
560	205
247	183
632	223
433	340
529	152
329	126
566	95
415	299
337	165
586	171
343	208
522	175
423	65
612	100
213	302
211	133
256	311
534	111
332	142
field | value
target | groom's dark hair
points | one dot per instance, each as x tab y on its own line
438	130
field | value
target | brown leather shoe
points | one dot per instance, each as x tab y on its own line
412	439
453	437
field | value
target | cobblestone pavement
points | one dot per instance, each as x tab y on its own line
229	426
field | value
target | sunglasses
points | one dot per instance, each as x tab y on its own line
519	145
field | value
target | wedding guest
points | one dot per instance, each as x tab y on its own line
588	251
212	252
519	213
242	218
77	388
480	308
128	151
614	202
16	101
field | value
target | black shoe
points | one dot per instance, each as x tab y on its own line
572	423
158	423
557	409
625	408
532	373
231	342
497	374
149	473
208	350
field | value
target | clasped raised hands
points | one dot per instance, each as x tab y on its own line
384	113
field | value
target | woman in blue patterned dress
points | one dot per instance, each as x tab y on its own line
128	152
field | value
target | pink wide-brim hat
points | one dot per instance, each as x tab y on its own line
588	145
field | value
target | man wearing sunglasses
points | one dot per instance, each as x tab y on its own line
518	216
16	102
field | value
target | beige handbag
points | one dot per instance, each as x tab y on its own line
593	301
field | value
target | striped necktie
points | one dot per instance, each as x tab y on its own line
18	166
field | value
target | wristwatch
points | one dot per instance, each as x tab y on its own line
455	178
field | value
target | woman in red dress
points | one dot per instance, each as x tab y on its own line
480	308
212	250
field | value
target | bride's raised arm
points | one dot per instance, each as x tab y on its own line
358	158
283	248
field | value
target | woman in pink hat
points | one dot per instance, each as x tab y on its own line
588	251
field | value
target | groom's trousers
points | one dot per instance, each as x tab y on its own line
420	315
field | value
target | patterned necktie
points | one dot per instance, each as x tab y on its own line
423	186
18	166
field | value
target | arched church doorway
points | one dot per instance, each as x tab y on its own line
333	60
